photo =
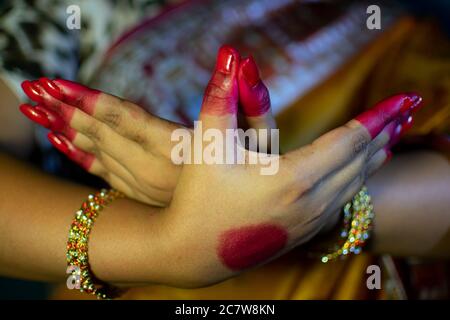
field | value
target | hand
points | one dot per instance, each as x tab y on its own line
227	218
230	217
120	142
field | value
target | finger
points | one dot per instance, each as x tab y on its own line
71	121
404	125
385	137
362	166
254	99
35	115
339	146
58	113
71	93
118	183
124	117
376	118
339	200
113	166
85	144
220	100
77	121
105	139
348	192
60	142
378	160
104	167
336	181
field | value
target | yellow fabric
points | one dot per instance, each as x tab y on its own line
394	62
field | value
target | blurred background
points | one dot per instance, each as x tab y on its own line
321	60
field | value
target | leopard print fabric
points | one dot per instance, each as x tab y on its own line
35	40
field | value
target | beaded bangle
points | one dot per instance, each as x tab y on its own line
77	245
358	217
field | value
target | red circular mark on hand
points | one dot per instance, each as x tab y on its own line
245	247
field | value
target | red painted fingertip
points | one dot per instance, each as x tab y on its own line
32	91
59	142
250	71
56	123
51	88
253	94
389	156
78	95
35	115
78	156
395	136
376	118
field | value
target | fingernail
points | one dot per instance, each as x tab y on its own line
388	156
35	115
59	142
32	91
225	59
56	123
250	71
51	88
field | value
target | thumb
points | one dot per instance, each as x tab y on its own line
220	101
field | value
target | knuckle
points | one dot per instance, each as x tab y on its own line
140	140
93	132
112	118
359	143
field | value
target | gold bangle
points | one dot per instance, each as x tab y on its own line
358	217
77	244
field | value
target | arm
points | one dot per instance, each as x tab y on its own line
127	243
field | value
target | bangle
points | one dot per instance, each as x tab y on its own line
358	217
77	244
